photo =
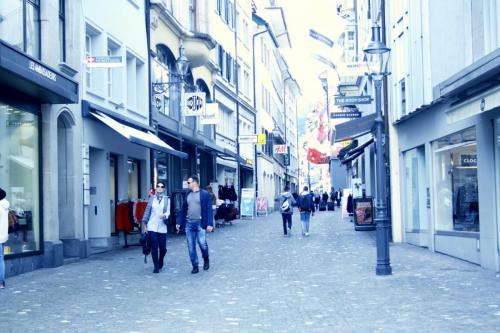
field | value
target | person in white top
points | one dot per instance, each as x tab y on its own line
4	232
155	221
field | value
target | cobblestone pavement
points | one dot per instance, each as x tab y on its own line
259	281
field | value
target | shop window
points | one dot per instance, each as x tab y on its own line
497	171
19	177
456	185
415	192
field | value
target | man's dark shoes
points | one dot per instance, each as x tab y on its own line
156	270
206	264
160	266
195	270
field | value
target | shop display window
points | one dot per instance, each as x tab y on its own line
497	171
19	177
455	182
414	200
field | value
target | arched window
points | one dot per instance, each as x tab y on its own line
163	70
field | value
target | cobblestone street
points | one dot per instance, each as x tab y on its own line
259	281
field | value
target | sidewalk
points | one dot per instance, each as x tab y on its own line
259	281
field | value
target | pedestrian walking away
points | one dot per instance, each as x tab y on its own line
306	208
286	203
155	221
4	232
197	217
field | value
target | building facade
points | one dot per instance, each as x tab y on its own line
445	178
40	132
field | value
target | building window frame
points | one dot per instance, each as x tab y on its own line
62	30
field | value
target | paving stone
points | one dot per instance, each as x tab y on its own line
259	281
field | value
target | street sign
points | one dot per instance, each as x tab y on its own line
352	69
247	138
346	114
352	100
261	139
287	157
194	104
104	61
280	149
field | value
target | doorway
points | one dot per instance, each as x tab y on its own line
113	191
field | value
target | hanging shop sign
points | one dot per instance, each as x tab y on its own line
104	61
261	139
247	138
352	69
194	104
280	149
352	100
345	114
211	116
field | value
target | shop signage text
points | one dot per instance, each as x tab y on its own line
261	139
468	160
346	114
350	100
280	149
195	104
42	71
104	61
247	138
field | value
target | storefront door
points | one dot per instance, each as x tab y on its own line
113	190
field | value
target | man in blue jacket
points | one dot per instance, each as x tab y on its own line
198	219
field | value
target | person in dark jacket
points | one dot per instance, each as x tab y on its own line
155	224
198	219
306	207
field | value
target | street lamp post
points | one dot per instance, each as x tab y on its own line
377	54
182	66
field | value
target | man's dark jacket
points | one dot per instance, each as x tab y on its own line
207	215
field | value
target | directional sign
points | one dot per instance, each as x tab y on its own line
287	157
251	138
104	61
261	139
352	100
280	149
346	114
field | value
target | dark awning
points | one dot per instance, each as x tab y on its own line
34	78
229	155
346	149
356	152
354	128
146	139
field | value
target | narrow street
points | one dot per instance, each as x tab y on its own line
259	281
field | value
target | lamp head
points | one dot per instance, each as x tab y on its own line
377	54
182	62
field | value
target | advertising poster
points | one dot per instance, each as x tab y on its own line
247	202
262	206
346	193
363	212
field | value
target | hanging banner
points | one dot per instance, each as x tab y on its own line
211	116
247	208
280	149
261	139
194	104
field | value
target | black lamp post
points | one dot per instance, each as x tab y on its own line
182	65
377	54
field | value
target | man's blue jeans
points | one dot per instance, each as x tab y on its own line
2	264
195	233
304	218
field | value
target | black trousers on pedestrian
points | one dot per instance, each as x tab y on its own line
158	242
287	221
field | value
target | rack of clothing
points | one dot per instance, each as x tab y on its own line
128	217
227	211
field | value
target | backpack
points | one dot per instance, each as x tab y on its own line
146	246
306	203
285	206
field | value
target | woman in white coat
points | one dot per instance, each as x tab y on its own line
155	224
4	232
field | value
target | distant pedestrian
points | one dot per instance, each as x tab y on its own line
332	195
324	197
306	208
339	198
198	218
4	232
316	199
155	221
286	203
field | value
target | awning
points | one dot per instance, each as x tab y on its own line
229	155
146	139
356	152
354	128
35	78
